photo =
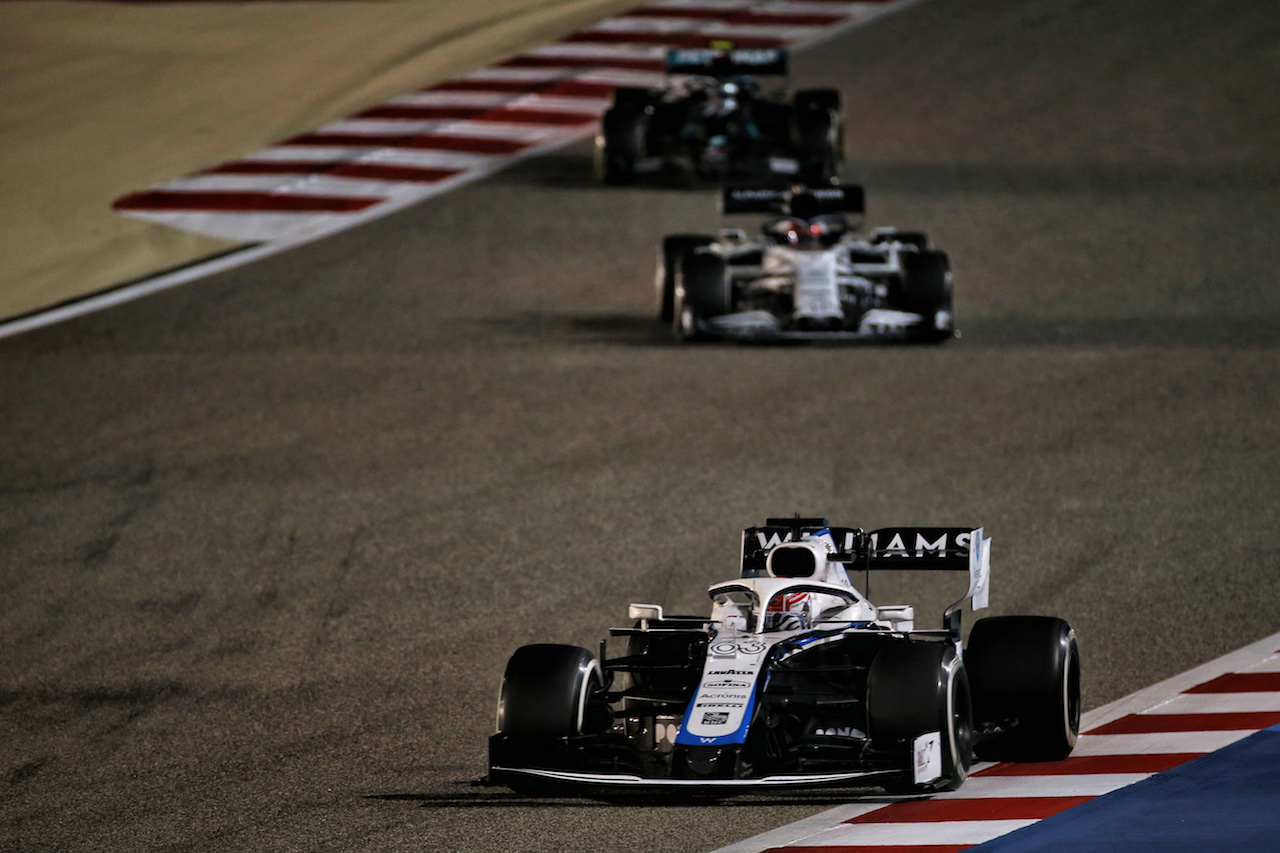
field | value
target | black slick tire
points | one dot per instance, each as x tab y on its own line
926	290
547	691
619	144
672	250
818	135
701	292
913	689
1025	672
927	281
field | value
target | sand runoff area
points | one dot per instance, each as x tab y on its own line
98	99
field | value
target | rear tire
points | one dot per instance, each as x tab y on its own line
669	256
620	143
1026	668
632	98
915	688
818	135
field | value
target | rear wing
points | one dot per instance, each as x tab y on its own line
955	549
946	549
757	542
848	198
714	62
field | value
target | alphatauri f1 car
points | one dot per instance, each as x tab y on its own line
714	121
805	276
794	680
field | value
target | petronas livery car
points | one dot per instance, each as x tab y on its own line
717	120
805	275
795	679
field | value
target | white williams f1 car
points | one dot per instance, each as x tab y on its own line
805	276
794	680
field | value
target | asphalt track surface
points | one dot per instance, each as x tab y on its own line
267	540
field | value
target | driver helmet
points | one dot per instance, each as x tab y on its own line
828	228
786	231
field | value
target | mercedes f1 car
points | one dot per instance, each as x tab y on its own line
714	122
805	276
795	679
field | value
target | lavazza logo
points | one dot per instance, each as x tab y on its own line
731	672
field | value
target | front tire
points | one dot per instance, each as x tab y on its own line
669	256
701	291
1026	676
915	688
926	281
547	691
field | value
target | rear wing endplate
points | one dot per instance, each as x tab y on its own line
957	549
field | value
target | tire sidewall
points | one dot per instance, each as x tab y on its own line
670	255
545	691
915	688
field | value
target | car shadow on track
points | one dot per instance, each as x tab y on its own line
568	168
629	330
623	329
1195	332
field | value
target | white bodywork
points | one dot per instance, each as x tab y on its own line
841	291
803	579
